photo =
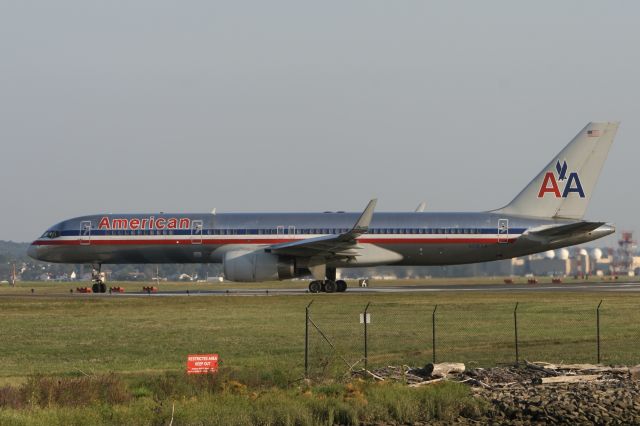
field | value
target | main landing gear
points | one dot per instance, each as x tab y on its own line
97	278
327	286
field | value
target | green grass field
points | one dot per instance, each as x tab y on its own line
64	335
261	339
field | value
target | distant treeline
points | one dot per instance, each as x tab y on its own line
29	270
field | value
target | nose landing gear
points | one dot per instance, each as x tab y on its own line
98	278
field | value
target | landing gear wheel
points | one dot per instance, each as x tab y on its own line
330	286
103	288
342	286
95	288
314	287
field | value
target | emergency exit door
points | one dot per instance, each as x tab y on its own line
196	232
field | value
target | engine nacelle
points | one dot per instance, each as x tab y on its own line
253	266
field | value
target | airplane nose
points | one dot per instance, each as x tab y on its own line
32	251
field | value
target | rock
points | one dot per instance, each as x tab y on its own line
635	372
612	398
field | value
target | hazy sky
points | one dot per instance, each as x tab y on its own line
125	106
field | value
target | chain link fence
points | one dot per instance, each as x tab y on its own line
339	340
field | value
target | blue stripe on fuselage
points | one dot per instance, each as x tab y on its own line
304	231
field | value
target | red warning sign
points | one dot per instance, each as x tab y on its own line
202	363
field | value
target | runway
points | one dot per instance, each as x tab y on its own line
377	288
584	287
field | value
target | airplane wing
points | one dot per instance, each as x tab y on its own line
337	245
558	232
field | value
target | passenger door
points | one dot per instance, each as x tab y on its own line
85	232
503	230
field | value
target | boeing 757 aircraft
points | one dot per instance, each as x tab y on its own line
546	214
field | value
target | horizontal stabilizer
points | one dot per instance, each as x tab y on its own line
568	230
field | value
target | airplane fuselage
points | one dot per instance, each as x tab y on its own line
411	238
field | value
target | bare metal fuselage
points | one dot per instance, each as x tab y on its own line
417	238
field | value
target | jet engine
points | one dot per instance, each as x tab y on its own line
253	266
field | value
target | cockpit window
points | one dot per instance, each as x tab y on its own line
51	234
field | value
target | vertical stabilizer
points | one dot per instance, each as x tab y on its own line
564	187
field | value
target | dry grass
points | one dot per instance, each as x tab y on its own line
223	401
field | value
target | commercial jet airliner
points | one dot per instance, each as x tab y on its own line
546	214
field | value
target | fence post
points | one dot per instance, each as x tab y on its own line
433	332
366	349
306	341
598	329
515	327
